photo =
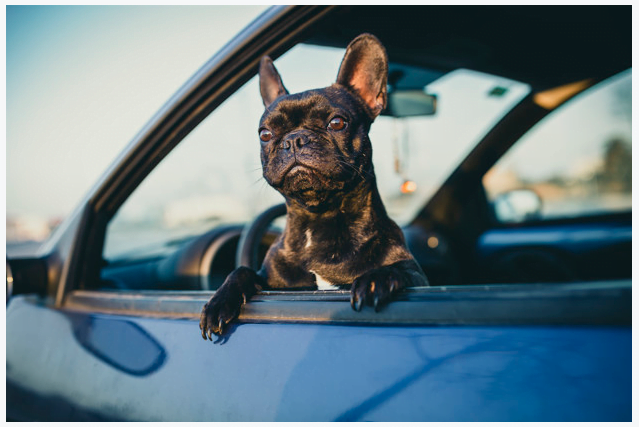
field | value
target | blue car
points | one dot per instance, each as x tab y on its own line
505	156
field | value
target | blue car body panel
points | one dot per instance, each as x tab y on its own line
135	368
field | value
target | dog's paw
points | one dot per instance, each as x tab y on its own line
375	288
225	305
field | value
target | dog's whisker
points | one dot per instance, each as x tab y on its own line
258	180
362	174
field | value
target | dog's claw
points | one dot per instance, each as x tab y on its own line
226	303
375	288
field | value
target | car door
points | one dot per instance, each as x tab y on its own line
438	356
115	335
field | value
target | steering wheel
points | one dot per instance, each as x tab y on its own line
251	237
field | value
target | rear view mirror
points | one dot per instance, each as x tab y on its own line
410	102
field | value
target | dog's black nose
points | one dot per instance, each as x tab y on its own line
295	140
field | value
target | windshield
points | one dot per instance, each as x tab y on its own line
214	176
414	155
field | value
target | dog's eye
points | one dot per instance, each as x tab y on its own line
266	135
337	123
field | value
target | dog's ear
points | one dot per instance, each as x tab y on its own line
364	70
271	85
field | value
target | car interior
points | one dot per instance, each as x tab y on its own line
459	235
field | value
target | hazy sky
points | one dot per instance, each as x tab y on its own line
83	80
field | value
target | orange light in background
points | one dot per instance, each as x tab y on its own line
408	187
432	242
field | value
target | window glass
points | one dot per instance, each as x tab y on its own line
425	150
214	176
578	160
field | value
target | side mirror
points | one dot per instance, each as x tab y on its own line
518	206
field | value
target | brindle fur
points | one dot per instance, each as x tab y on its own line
336	224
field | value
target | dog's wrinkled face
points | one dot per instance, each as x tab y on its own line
314	144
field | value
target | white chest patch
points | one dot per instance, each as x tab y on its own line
323	284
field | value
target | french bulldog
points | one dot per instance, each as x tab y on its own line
316	152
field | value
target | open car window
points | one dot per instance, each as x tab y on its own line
213	178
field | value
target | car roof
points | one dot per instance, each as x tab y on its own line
544	46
